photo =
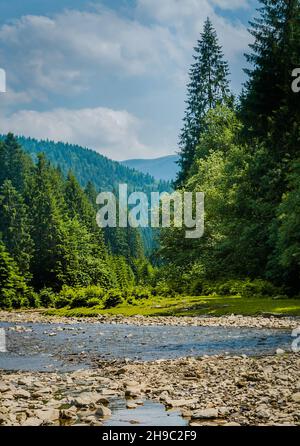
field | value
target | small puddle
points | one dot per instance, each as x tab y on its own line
149	414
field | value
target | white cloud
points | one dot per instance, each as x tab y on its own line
68	59
60	55
187	17
63	54
114	133
231	4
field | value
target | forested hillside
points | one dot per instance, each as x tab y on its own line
243	153
49	236
88	165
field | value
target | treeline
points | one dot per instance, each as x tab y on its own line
49	238
244	154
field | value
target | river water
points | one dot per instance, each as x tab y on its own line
65	347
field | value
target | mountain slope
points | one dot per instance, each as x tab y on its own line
164	168
88	165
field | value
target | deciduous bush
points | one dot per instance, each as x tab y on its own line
113	299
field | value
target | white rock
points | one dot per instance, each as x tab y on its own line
205	414
47	416
86	399
21	393
32	421
296	397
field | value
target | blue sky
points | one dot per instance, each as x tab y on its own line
109	74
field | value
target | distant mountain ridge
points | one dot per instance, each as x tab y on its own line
164	168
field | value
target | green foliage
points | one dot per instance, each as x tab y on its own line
47	297
123	273
246	162
15	165
93	302
286	234
79	296
113	299
15	226
89	166
139	292
208	86
14	292
243	288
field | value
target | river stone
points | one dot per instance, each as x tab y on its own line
32	421
103	411
205	414
131	405
109	392
86	399
21	393
25	381
296	397
68	414
3	388
48	415
180	403
133	391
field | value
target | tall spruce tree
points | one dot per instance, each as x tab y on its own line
15	226
77	202
270	111
15	164
79	207
91	193
208	86
47	215
269	107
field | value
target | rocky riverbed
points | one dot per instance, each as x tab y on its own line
213	391
267	321
207	390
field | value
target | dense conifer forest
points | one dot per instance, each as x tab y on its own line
242	152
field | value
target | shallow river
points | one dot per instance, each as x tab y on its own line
62	347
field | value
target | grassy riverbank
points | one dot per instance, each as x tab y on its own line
193	306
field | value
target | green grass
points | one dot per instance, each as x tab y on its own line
193	306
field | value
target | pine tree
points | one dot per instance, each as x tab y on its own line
77	202
269	108
48	221
208	87
15	164
270	111
91	194
15	226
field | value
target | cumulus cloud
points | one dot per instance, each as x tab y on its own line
64	60
63	53
114	133
186	18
